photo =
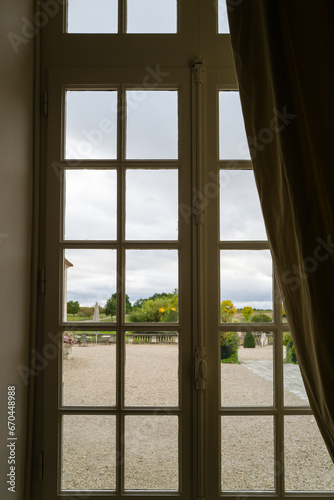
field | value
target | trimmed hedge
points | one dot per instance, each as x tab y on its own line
249	341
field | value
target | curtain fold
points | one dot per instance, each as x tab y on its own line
284	53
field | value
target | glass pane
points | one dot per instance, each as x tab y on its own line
89	280
246	368
151	452
232	135
90	204
152	125
151	16
308	465
85	16
294	389
151	204
240	212
151	285
151	369
89	369
247	453
91	124
246	281
88	452
223	26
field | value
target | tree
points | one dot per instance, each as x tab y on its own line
227	310
247	312
160	307
128	305
150	311
139	303
110	308
73	307
170	315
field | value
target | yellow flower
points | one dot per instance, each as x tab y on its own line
162	309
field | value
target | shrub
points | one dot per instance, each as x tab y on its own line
86	312
290	355
230	343
249	341
261	318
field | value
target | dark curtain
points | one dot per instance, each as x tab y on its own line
284	58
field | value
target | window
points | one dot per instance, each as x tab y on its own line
153	227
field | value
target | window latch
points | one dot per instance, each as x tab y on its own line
200	368
45	103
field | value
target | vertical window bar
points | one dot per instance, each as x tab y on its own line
278	389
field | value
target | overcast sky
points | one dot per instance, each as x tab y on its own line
101	16
151	201
143	16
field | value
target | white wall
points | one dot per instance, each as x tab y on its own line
16	127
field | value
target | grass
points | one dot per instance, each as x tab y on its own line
103	317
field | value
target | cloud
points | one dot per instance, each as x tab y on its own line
151	203
246	277
240	212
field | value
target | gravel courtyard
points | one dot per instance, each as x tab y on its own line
150	442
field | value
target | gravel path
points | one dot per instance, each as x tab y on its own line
150	444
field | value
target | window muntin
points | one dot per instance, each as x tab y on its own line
106	256
275	326
102	16
282	397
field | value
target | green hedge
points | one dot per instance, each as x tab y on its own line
249	341
290	355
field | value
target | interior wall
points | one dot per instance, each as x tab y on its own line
16	174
